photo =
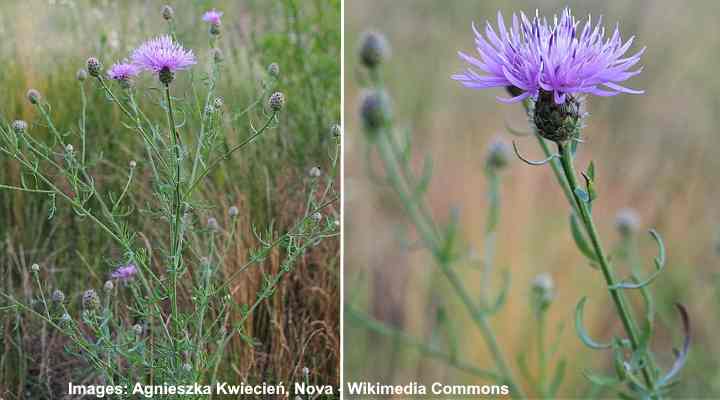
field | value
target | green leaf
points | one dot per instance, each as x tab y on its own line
557	379
502	296
591	170
602	380
424	181
580	328
580	241
582	195
659	265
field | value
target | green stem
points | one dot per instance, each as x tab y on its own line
176	228
616	294
428	236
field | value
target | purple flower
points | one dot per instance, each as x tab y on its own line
123	71
557	58
125	272
162	54
213	17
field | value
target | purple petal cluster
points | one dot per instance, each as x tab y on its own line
124	273
123	71
213	17
162	53
558	58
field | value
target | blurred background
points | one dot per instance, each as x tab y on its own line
45	42
656	153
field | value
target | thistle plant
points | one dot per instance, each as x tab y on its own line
551	67
163	315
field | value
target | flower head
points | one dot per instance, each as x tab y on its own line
627	221
19	126
124	272
123	71
213	17
163	56
561	58
33	96
374	49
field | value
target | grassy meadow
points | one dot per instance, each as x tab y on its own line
45	42
655	153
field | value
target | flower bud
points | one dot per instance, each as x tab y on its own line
375	111
57	296
33	96
374	49
187	367
315	172
109	286
94	67
627	221
81	75
167	13
138	329
233	211
19	126
214	29
35	268
498	155
336	130
558	122
543	289
276	101
273	70
69	148
317	217
133	164
213	224
90	300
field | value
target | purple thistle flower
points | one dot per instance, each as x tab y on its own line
123	71
124	273
213	17
558	58
163	56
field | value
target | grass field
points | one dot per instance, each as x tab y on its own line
656	153
296	326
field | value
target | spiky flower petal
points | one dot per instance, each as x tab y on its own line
162	55
534	56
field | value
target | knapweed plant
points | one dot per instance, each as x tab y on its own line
164	313
552	67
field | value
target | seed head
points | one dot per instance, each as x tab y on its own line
558	122
94	67
375	111
19	126
108	286
276	101
167	12
317	217
90	300
274	70
374	49
315	172
218	103
33	96
35	268
58	296
233	211
81	75
498	155
336	130
627	221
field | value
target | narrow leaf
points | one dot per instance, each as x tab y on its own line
659	265
582	333
580	241
557	379
582	195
